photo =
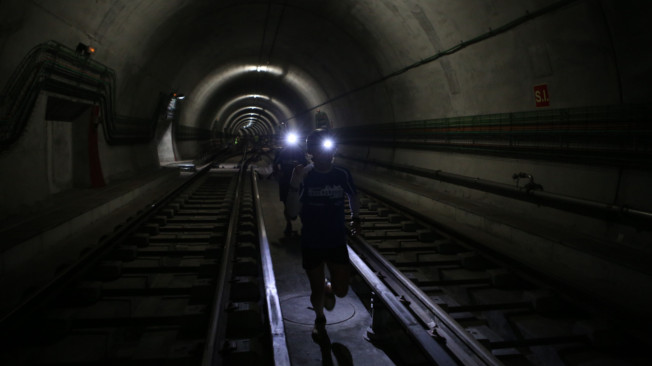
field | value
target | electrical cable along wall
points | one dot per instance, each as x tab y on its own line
612	143
611	135
56	68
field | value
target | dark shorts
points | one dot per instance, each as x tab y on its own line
312	257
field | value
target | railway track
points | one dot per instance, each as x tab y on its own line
179	284
188	281
475	308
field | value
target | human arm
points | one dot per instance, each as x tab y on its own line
354	205
292	203
277	164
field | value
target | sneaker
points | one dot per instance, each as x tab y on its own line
329	297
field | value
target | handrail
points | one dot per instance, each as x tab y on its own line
279	342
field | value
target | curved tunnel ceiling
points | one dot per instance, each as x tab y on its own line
282	58
274	92
349	58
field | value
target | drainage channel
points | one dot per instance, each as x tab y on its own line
182	286
460	305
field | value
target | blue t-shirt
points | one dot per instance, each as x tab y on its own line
322	214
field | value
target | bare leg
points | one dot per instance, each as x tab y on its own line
288	221
340	275
316	278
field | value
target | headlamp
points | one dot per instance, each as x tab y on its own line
327	144
320	141
291	138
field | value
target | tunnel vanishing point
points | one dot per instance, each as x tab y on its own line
523	123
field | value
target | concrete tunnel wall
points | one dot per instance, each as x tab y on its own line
588	53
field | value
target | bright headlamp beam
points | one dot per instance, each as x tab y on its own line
327	144
291	138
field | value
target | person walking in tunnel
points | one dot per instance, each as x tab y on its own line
317	192
286	159
322	121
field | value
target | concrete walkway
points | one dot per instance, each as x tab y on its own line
348	322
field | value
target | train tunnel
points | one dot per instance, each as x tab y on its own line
521	124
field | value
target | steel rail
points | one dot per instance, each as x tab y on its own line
274	315
45	294
432	349
217	328
451	329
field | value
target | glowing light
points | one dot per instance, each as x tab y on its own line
84	50
292	138
327	144
274	70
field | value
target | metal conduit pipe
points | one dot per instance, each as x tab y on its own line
54	67
605	211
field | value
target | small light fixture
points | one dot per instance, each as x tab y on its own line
84	50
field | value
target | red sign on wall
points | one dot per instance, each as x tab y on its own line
541	95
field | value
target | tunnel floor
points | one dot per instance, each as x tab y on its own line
347	323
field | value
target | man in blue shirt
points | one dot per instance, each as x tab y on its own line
317	192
